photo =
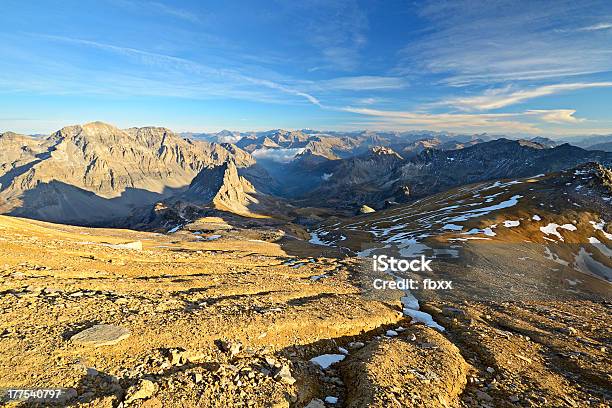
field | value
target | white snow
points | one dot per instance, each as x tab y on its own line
489	232
327	176
409	301
600	246
586	264
548	254
536	217
511	223
452	227
411	308
314	239
326	360
391	333
423	317
411	248
213	237
331	400
600	227
343	350
173	230
551	229
478	212
136	245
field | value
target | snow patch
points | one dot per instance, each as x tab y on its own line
314	239
548	254
326	360
600	246
173	230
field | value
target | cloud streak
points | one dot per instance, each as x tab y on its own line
502	97
177	63
596	27
498	41
526	121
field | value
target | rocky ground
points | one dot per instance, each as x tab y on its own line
230	318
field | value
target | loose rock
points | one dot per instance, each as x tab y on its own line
101	335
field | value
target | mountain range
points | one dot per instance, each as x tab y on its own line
241	268
97	174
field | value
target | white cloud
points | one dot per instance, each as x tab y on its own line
496	41
277	155
448	121
556	115
502	97
596	27
529	121
229	138
176	65
360	83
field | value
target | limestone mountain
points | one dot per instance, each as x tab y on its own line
93	173
222	188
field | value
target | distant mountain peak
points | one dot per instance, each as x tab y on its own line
383	151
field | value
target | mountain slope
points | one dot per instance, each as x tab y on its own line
606	147
89	174
223	188
560	217
434	171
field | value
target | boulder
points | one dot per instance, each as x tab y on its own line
101	335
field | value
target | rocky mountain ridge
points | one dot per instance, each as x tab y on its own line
95	173
87	174
361	180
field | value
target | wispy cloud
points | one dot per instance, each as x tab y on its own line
446	121
498	41
158	7
173	11
525	122
502	97
355	83
337	29
210	74
596	27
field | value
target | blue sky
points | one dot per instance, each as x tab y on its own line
533	67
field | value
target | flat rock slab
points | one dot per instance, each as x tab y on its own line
101	335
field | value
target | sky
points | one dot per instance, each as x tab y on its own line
496	66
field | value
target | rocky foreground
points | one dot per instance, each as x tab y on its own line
120	318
